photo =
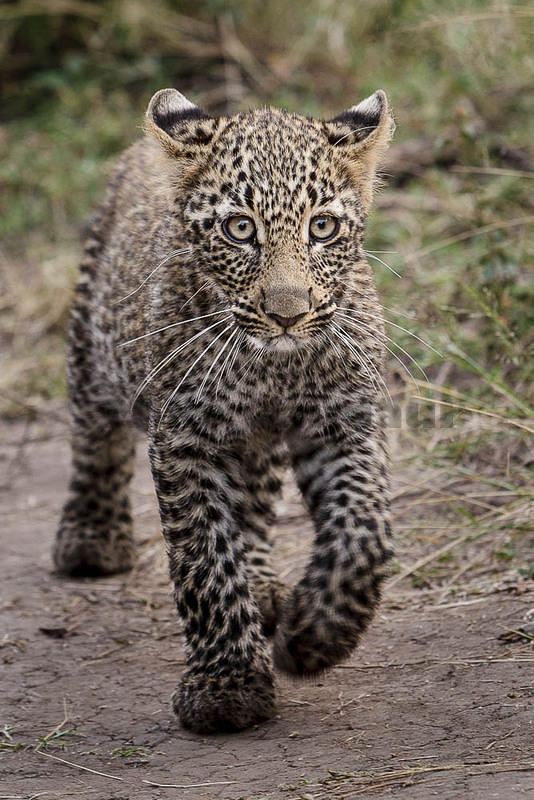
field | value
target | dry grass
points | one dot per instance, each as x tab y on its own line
346	785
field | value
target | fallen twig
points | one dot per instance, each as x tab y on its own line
187	785
369	782
78	766
105	654
57	729
438	662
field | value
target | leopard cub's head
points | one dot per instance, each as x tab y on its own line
273	205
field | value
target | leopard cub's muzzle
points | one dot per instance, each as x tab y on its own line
286	306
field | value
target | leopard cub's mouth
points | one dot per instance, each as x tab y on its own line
284	342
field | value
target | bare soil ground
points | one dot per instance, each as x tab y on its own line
433	704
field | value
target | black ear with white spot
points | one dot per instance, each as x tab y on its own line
361	135
181	127
369	123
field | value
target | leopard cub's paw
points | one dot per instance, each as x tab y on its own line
309	650
312	639
82	551
208	704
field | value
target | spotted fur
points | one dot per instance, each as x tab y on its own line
233	356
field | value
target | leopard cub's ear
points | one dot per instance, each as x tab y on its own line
361	135
180	127
364	125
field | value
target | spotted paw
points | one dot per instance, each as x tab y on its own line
313	637
80	552
311	649
208	704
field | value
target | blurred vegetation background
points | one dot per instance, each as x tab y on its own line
458	210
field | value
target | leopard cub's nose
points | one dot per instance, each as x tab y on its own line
286	322
285	304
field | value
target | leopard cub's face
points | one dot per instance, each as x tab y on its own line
273	206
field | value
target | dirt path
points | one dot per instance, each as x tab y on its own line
432	705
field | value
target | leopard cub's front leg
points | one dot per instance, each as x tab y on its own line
341	471
228	681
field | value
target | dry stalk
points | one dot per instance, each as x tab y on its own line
379	780
78	766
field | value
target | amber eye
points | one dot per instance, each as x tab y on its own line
323	227
239	228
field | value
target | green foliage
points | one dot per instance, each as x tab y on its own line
506	553
56	740
136	755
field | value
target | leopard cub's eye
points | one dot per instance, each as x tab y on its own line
239	228
323	227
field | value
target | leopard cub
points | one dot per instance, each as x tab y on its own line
226	307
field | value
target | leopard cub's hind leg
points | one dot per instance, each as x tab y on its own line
95	531
263	467
270	593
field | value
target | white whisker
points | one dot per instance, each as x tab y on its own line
403	365
351	344
250	363
217	357
355	130
332	343
170	357
173	325
229	360
377	258
394	356
234	357
350	321
395	325
204	286
343	335
161	263
175	391
391	352
395	311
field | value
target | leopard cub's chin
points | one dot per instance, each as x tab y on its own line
281	343
285	343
